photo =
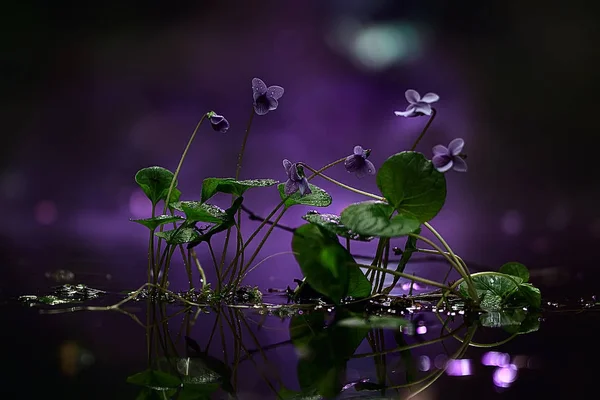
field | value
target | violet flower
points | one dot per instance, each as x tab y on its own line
218	122
296	179
358	162
418	105
451	157
265	98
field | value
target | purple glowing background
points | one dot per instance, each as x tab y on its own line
114	102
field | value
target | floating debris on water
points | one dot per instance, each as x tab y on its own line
63	295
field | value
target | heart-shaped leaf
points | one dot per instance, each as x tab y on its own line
318	197
515	269
155	182
372	218
212	186
196	211
153	223
412	185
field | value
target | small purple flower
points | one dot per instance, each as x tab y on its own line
451	157
418	105
296	179
218	122
358	162
265	98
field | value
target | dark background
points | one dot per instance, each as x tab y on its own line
92	92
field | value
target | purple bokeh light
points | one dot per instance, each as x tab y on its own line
505	376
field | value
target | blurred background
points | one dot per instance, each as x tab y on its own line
93	92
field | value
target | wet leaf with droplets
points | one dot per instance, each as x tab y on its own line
333	223
153	223
374	218
212	186
196	211
318	197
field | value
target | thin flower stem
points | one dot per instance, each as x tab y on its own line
176	174
238	169
267	219
258	248
200	269
217	272
407	276
433	113
467	275
340	184
452	261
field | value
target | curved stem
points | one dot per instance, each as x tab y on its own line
350	188
176	174
407	276
433	113
238	169
441	252
244	269
200	269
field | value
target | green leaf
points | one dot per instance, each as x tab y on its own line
359	286
227	222
155	380
527	295
149	394
196	211
502	318
325	263
530	323
212	186
493	288
515	269
325	351
372	218
332	223
153	223
318	197
412	185
155	182
372	322
179	235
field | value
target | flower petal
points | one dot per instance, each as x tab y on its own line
440	150
272	103
304	188
291	187
460	165
456	146
275	92
358	151
261	106
412	96
294	175
353	163
422	108
287	165
259	88
410	112
368	168
430	98
442	163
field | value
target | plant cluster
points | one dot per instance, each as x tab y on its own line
412	192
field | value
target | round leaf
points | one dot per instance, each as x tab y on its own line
372	322
372	218
412	185
153	223
155	182
515	269
332	223
318	197
212	186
